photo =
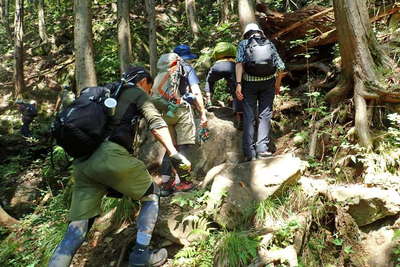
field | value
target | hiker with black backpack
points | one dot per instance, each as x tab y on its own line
175	93
224	68
111	168
29	112
258	78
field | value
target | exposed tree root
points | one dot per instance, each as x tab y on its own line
339	92
6	220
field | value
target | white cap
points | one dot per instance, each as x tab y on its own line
251	27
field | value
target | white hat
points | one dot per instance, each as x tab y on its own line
165	61
251	27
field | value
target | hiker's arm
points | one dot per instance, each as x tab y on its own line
162	135
278	81
199	104
239	73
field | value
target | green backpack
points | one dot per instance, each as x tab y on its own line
224	50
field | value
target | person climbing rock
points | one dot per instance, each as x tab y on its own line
177	86
224	68
259	71
113	168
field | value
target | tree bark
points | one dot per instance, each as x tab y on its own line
83	40
4	6
19	48
191	15
151	14
42	24
360	56
246	12
124	35
6	220
224	7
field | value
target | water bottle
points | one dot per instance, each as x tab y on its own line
110	104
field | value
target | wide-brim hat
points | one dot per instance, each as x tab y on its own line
184	52
166	61
251	27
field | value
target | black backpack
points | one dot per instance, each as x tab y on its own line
259	53
80	128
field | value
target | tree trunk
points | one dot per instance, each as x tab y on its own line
360	57
4	5
246	12
42	24
19	48
83	40
151	14
191	15
6	220
124	35
224	7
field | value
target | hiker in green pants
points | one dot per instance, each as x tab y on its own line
112	166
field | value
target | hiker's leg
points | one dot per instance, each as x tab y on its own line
265	106
148	214
25	127
249	109
73	239
167	181
146	221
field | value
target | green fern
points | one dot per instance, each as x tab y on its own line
235	249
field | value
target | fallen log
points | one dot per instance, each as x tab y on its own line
313	21
331	36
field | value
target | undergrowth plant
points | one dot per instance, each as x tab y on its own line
194	199
39	234
125	208
235	249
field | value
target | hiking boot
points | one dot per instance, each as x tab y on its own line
183	186
142	256
167	188
264	155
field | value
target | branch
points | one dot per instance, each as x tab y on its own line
317	65
315	127
300	23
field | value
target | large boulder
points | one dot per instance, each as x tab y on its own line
365	204
236	187
379	245
223	145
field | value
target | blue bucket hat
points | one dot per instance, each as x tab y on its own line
184	52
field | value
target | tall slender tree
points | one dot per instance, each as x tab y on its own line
19	48
191	16
361	59
4	7
246	12
83	40
124	35
42	23
224	7
151	14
